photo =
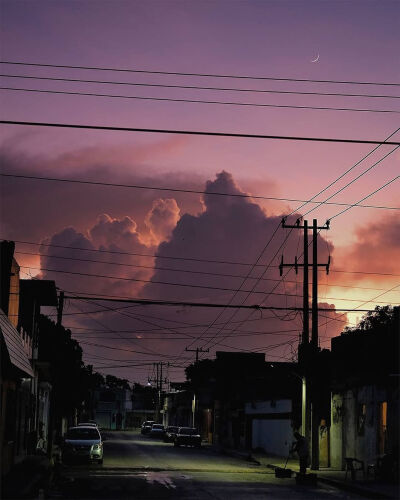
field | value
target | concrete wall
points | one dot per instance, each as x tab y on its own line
274	436
351	434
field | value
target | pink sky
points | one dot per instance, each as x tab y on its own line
356	42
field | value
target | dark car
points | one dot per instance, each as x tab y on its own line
157	430
82	443
187	436
170	433
146	426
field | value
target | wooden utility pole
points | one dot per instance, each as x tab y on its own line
314	331
197	350
159	381
309	350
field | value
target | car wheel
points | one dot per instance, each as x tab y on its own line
176	444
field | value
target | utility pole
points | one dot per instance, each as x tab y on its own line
159	381
60	308
197	350
306	319
306	404
309	350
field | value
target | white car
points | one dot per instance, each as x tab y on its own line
88	424
82	443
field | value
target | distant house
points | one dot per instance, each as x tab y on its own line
178	406
365	394
111	405
239	401
275	410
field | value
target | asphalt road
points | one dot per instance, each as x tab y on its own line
138	467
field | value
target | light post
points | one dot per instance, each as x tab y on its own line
193	409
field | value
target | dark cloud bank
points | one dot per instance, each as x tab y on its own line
229	229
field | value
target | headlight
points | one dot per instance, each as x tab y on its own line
96	447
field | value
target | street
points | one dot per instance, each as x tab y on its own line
140	467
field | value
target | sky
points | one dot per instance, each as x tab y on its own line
149	232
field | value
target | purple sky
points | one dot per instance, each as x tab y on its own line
356	41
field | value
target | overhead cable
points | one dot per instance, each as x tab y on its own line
195	132
197	101
208	75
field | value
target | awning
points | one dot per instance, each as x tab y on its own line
16	352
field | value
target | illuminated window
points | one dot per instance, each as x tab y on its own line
382	428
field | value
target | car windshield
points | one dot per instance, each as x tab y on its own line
158	426
83	433
172	429
148	423
187	430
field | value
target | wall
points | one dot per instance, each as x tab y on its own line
354	434
271	426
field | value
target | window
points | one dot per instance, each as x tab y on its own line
382	427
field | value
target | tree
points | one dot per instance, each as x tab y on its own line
381	319
121	383
69	377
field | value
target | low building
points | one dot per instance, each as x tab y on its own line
25	384
365	395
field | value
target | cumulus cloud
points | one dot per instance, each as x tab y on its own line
377	243
71	254
162	219
207	257
58	205
224	240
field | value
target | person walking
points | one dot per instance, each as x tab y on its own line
303	451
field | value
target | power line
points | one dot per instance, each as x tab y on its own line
162	328
208	75
238	289
180	190
255	307
367	196
175	270
354	180
195	132
164	337
167	283
349	169
153	256
183	258
197	87
197	101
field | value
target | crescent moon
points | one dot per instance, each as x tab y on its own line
316	59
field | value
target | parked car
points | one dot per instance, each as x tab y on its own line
187	436
88	424
170	433
157	430
146	426
83	443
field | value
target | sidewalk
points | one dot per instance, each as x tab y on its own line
368	487
26	478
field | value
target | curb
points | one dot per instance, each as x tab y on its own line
350	487
354	488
